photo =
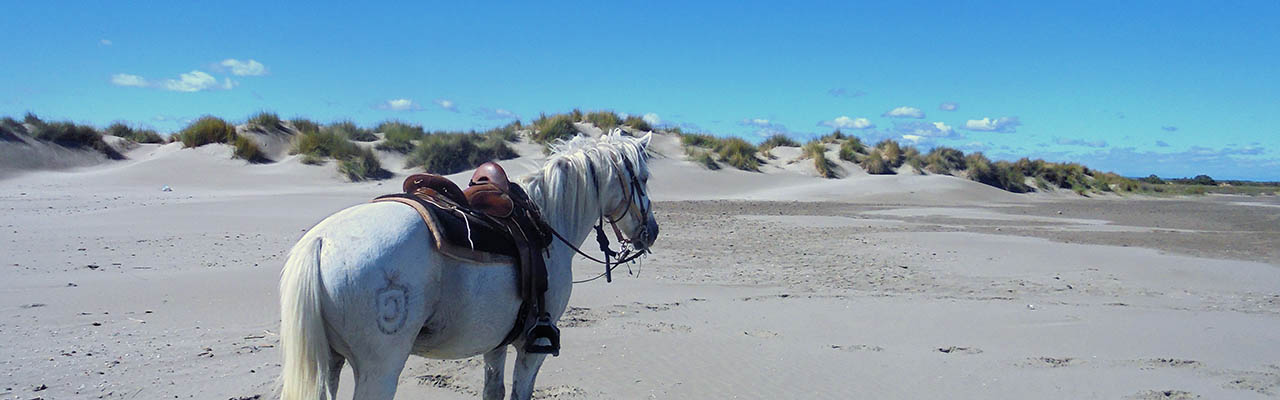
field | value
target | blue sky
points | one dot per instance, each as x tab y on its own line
1172	88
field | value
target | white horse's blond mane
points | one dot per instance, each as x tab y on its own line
601	154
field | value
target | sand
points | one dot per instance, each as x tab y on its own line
762	285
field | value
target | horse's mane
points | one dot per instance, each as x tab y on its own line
549	186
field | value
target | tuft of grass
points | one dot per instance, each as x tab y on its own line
699	140
738	153
30	118
208	129
361	166
70	134
776	140
638	123
912	157
875	164
1002	174
447	153
506	133
817	150
249	151
266	121
549	129
399	136
943	160
833	137
303	125
891	152
351	131
850	148
9	129
605	120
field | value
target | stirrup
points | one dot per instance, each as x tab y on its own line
543	329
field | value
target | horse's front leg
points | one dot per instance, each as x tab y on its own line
527	365
494	361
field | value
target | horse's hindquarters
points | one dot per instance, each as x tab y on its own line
477	308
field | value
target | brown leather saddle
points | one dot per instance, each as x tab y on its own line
491	221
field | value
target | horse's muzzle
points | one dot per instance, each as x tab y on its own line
651	232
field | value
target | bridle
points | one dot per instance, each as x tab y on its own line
626	251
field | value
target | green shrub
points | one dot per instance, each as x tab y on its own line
266	121
912	157
874	164
249	151
303	125
576	115
850	148
312	159
399	136
208	129
1203	180
31	119
738	153
1003	174
702	157
1153	179
943	160
638	123
349	130
776	140
549	129
447	153
363	165
891	152
9	129
605	120
506	133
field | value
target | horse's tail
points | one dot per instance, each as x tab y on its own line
302	336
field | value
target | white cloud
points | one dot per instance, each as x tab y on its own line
924	129
948	106
128	80
904	112
843	122
447	104
193	81
104	42
912	138
758	122
1080	142
652	119
244	68
1002	124
400	105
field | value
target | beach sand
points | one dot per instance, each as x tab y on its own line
762	285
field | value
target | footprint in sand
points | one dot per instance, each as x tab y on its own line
857	347
1164	395
761	334
560	392
959	350
1051	362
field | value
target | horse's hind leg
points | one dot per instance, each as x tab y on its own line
377	377
335	373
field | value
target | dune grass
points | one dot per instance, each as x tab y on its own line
912	157
64	133
817	150
351	131
1001	174
834	137
702	157
638	123
875	164
699	140
605	120
208	129
362	166
850	149
265	121
246	149
891	152
120	129
776	140
303	125
447	153
9	129
556	127
738	153
507	133
399	136
943	160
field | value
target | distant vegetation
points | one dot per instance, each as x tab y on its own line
399	136
776	140
451	152
303	125
65	133
266	121
733	151
556	127
351	131
120	129
208	129
817	150
354	162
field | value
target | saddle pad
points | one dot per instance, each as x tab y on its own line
467	238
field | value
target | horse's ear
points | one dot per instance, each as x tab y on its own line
644	141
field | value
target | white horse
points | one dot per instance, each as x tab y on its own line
366	286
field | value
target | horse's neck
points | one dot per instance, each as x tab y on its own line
570	209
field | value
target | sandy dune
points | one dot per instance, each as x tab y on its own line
763	285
